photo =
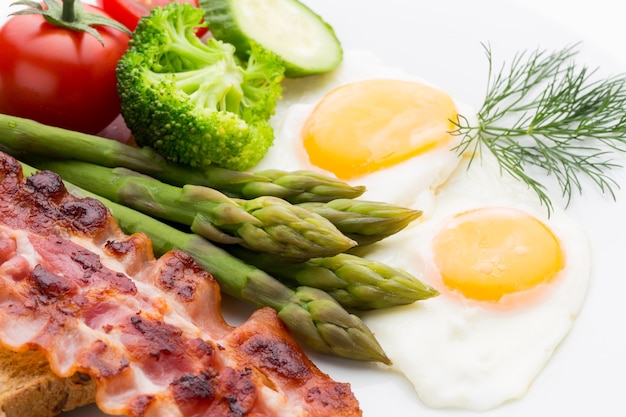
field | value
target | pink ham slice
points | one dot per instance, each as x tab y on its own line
149	331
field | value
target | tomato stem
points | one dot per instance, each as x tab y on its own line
69	11
71	15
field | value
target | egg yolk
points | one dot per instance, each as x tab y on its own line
361	127
485	254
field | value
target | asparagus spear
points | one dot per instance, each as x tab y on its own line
355	282
365	222
22	137
264	224
310	314
294	186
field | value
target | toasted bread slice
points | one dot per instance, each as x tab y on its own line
29	388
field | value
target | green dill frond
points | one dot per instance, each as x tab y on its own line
545	110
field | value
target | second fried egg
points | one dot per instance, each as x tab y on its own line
511	280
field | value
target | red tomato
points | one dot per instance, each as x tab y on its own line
58	76
128	12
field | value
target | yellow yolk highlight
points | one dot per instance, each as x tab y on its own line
364	126
485	254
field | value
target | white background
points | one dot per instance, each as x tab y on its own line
600	21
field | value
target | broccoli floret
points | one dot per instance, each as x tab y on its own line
194	101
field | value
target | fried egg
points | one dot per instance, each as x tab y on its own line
367	124
511	279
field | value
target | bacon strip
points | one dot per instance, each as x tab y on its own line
149	331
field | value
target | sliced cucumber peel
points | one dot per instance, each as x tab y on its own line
300	37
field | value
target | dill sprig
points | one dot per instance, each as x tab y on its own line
544	110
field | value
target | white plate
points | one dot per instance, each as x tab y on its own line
440	40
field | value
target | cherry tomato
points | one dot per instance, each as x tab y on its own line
58	76
128	12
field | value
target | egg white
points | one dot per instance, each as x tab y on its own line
460	354
408	183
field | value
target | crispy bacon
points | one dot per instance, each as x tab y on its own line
149	331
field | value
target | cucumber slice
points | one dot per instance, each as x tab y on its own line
301	38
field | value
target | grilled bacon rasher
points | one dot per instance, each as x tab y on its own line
149	331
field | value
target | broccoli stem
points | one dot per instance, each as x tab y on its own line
311	314
265	224
355	282
22	137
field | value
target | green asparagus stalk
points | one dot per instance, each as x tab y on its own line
23	137
264	224
365	222
312	315
294	186
355	282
